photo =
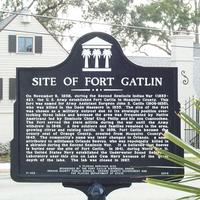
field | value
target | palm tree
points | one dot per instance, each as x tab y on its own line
107	54
86	53
96	54
193	165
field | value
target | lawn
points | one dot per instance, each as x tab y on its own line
5	158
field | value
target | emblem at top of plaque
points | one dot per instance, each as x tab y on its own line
96	49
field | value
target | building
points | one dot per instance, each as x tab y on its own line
186	57
24	42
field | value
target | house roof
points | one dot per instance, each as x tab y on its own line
166	62
147	61
6	21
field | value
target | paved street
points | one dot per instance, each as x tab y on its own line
11	190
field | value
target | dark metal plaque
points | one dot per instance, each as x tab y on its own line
93	118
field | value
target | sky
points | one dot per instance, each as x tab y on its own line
80	29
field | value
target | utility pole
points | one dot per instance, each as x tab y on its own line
197	8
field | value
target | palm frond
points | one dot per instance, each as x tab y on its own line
182	144
193	124
171	181
176	186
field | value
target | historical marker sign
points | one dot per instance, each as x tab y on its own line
93	117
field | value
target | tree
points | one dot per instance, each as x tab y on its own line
169	16
96	55
107	55
45	7
86	54
131	22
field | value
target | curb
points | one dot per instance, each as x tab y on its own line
4	167
4	171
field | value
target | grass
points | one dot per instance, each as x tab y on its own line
4	158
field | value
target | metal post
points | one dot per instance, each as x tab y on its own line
96	192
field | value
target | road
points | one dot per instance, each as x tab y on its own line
10	190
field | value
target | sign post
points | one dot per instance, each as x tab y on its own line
90	122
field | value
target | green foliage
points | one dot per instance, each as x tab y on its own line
45	7
5	158
52	8
15	5
174	186
190	163
4	149
119	13
123	15
167	15
4	152
11	6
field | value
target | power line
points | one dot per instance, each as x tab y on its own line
71	36
98	23
82	21
40	33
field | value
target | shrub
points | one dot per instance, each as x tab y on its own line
171	182
4	149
